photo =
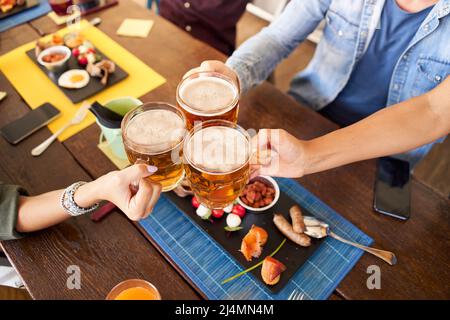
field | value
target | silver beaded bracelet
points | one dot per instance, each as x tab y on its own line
68	202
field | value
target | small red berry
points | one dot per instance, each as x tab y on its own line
217	213
76	52
239	210
195	202
82	61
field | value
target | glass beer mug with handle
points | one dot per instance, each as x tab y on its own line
217	162
153	134
207	96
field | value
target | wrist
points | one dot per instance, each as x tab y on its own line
308	155
88	194
235	72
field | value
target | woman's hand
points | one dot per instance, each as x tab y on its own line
118	188
214	66
278	153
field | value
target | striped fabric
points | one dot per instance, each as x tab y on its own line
207	264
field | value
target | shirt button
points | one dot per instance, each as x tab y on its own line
445	11
438	78
426	27
188	28
340	33
363	34
396	86
405	56
187	5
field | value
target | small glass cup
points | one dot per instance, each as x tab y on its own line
143	290
60	6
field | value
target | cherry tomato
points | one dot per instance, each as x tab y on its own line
76	52
82	61
195	202
217	213
239	210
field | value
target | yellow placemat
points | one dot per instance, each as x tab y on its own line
118	162
36	88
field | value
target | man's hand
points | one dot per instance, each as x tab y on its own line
278	153
214	66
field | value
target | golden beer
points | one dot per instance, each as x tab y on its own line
217	155
153	134
206	96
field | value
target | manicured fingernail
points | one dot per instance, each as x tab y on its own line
152	169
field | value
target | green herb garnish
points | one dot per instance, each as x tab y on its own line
255	266
232	229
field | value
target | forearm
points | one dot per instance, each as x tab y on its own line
45	210
396	129
255	59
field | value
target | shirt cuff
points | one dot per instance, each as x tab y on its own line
9	209
242	73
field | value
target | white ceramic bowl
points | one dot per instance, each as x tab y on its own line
268	181
57	66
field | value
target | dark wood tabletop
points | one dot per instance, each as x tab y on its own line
114	249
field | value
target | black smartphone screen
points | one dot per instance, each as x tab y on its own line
21	128
392	188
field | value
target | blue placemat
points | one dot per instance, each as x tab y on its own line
207	264
25	16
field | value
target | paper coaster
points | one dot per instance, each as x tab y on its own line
118	162
135	28
60	20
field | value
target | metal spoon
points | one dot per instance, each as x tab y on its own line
77	118
318	229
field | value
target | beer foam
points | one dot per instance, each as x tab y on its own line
159	128
218	149
207	94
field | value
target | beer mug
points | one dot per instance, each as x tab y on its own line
217	162
153	134
206	96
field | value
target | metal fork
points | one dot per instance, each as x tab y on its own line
296	295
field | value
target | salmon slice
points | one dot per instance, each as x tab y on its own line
253	242
271	270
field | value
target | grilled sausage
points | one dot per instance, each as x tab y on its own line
297	219
285	227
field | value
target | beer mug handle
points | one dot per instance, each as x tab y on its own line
135	184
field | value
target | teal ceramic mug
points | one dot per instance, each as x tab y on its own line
114	136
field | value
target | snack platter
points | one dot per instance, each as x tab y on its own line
12	7
83	66
291	255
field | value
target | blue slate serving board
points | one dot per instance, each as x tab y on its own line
207	264
25	16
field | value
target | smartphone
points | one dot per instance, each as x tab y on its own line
21	128
392	188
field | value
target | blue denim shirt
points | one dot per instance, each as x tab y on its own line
349	26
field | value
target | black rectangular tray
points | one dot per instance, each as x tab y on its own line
292	255
94	86
17	9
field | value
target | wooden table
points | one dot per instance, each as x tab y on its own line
113	250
